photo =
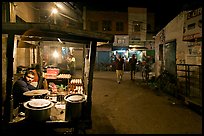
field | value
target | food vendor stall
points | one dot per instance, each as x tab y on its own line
72	103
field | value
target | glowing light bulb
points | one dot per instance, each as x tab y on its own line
55	54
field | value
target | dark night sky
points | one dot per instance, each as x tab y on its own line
165	10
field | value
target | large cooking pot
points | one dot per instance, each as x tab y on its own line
38	110
40	93
73	106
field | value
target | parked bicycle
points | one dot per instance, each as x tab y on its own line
166	82
138	66
146	69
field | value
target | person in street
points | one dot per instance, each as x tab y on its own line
132	63
119	68
22	85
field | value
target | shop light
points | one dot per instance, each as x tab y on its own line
121	51
54	12
55	54
59	40
71	50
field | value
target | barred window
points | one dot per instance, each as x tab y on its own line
106	25
93	25
136	26
191	26
119	26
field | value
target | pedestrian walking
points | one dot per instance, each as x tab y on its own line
119	68
132	63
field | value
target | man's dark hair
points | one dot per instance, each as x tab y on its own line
37	67
29	72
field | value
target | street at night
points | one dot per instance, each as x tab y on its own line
134	108
98	67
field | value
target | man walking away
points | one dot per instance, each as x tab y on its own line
119	68
132	63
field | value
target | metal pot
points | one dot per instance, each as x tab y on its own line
74	106
38	110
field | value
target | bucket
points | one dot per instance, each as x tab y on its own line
73	106
38	110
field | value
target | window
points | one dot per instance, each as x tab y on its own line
149	28
19	20
191	26
161	52
119	26
106	25
93	25
200	23
119	40
136	26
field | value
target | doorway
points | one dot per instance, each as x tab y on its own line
170	57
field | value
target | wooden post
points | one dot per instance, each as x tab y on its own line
92	54
8	114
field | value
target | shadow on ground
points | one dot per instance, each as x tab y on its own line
102	122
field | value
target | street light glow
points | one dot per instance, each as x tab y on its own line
54	11
59	5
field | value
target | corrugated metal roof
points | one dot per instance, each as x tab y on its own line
48	32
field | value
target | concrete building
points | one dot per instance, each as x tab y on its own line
133	32
178	50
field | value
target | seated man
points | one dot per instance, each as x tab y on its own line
22	85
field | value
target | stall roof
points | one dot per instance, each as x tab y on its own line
49	32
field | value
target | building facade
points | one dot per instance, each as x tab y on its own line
186	35
178	50
133	32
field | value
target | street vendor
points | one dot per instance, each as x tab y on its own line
22	85
71	63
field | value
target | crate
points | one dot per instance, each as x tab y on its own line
54	71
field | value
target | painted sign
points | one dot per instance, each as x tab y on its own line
192	25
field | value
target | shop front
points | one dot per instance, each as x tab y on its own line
67	98
127	52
